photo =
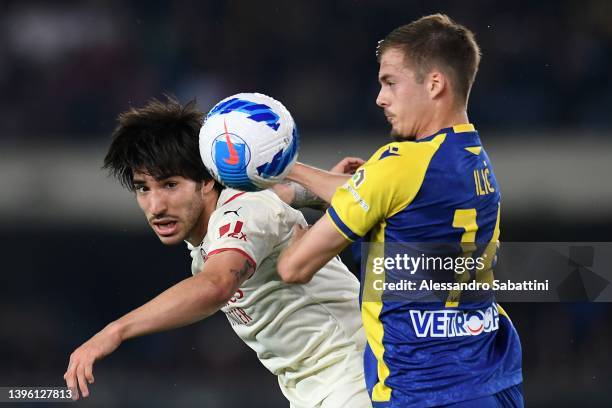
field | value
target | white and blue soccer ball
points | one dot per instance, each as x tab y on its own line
249	142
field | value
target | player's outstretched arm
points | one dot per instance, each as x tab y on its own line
187	302
309	250
324	183
298	196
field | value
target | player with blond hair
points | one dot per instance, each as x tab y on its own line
433	185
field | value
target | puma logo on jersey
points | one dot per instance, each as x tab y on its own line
232	211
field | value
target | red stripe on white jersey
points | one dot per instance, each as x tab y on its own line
233	197
247	256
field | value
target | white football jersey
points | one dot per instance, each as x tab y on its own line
308	335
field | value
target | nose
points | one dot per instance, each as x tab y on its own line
381	99
157	203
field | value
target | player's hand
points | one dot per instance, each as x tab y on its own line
348	165
80	367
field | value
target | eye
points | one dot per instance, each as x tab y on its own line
171	184
140	188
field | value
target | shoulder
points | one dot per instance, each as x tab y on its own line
258	208
258	200
397	152
395	172
402	162
252	222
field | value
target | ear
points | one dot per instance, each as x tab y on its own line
208	186
436	84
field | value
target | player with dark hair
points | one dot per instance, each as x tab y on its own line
434	184
310	337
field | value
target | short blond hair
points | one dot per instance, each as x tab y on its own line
436	41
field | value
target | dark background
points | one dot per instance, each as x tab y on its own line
77	254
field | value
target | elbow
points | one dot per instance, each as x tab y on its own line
222	294
222	298
291	273
216	294
296	278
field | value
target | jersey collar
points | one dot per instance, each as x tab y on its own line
461	128
227	195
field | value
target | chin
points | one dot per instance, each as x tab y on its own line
171	240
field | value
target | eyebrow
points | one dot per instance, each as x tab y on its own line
385	77
136	180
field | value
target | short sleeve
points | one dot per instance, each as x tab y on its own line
385	184
248	226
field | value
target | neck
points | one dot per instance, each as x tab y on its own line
442	119
197	234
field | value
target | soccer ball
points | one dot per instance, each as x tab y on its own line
249	142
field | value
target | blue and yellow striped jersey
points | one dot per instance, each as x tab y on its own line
440	189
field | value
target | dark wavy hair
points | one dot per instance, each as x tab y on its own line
160	139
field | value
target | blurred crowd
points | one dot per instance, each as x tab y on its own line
67	68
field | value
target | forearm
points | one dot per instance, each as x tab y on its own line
298	265
187	302
320	182
298	196
310	251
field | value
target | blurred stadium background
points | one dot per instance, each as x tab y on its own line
76	252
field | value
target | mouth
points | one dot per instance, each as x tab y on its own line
165	228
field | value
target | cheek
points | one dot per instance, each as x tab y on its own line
405	98
414	103
408	107
191	208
